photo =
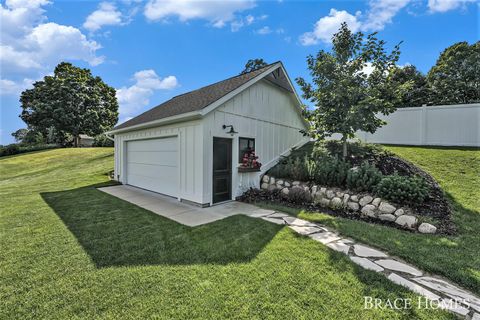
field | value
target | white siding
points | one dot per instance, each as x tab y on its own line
190	142
455	125
264	112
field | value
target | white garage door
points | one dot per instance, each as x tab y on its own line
153	165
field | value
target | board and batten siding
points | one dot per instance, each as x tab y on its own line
263	111
190	140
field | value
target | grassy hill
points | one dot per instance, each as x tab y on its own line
71	251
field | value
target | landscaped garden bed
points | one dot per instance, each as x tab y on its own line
371	184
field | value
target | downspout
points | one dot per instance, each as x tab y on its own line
113	175
108	137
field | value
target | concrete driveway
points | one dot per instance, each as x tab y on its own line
180	212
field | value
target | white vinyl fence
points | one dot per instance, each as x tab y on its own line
452	125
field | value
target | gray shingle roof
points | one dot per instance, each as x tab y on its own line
198	99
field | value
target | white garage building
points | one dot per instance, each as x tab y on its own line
191	146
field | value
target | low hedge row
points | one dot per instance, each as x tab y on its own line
12	149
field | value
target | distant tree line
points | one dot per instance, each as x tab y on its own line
454	79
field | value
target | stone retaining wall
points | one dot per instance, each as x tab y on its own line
361	204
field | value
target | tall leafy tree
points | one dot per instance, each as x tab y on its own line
72	101
455	78
27	136
254	64
345	97
20	134
415	91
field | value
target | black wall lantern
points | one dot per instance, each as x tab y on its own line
231	131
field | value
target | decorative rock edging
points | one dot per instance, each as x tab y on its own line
446	295
356	204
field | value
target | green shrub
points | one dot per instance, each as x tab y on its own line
331	172
356	149
294	168
299	195
102	141
403	189
363	178
9	150
14	148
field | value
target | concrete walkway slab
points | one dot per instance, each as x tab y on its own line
180	212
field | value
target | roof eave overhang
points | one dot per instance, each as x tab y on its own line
201	113
160	122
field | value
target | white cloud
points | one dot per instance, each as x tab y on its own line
217	12
327	26
9	87
30	48
447	5
377	16
132	99
381	13
264	30
106	15
240	22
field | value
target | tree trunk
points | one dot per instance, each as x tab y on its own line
75	141
344	143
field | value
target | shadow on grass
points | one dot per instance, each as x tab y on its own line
117	233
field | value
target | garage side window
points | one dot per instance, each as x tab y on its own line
245	146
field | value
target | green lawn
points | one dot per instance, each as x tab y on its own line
456	257
71	251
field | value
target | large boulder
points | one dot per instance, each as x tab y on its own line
365	200
386	208
336	203
271	187
272	180
406	221
318	196
427	228
330	194
265	179
387	217
264	186
369	210
324	202
376	202
353	206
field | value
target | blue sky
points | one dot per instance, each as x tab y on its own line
153	50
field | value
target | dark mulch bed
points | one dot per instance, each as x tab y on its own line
436	205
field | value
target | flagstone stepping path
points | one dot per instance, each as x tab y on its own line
464	303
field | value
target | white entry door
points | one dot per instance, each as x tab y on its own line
152	164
